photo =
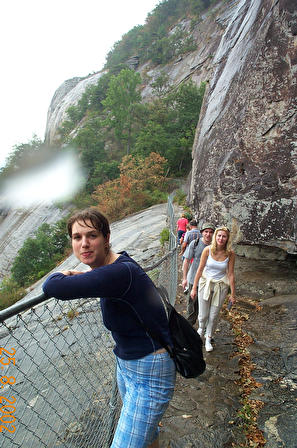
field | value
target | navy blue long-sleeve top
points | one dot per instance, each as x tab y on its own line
127	296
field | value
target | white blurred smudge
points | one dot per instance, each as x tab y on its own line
59	179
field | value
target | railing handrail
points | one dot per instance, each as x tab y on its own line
154	266
17	307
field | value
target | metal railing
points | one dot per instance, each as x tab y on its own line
172	288
58	386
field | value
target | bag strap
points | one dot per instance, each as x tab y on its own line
196	242
157	337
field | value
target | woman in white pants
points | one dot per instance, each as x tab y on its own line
215	275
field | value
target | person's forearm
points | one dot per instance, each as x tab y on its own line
231	274
185	268
98	282
196	281
195	286
183	248
199	270
232	285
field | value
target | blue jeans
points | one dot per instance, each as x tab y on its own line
146	386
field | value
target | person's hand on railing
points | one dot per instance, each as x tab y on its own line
72	272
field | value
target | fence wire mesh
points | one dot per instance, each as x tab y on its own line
58	386
64	375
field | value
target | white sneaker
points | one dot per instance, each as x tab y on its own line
200	332
208	346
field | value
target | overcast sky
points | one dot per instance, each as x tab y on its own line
45	42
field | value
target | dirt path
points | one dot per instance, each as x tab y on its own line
253	365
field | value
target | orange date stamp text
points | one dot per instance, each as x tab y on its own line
6	404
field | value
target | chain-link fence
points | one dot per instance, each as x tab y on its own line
172	287
60	377
164	272
58	385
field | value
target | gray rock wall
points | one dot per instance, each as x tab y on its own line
245	150
68	94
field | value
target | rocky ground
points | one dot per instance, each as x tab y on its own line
247	397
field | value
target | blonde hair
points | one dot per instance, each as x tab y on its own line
213	245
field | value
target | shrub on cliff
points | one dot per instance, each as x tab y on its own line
152	41
40	254
141	184
10	292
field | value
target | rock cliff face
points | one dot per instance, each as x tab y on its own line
68	94
245	150
18	225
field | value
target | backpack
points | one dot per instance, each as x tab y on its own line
187	344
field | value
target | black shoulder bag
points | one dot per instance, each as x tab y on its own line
187	345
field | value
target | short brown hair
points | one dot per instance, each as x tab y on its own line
98	220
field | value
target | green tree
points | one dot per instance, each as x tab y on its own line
105	171
170	126
188	101
162	50
97	93
153	138
26	264
23	156
75	114
120	105
161	85
126	47
59	236
39	254
10	292
151	41
90	143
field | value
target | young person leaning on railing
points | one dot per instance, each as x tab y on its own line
130	303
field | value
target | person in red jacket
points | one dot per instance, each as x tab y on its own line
181	226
